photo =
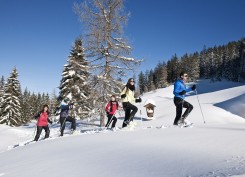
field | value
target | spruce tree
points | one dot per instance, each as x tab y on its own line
174	68
54	103
75	81
151	85
241	76
11	110
195	67
141	82
26	114
34	105
2	83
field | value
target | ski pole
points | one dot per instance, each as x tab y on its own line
141	118
111	119
141	111
200	106
34	135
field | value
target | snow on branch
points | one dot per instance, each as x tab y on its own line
119	67
126	58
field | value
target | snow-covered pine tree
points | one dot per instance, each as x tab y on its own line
141	82
174	69
151	85
232	54
11	110
65	82
2	83
157	74
108	51
45	100
242	61
161	75
34	105
26	115
146	82
75	81
185	63
54	103
194	68
217	61
39	102
237	61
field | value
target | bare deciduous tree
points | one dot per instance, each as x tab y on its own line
106	47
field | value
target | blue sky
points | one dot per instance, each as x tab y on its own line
36	35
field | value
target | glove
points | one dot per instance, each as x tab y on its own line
193	87
125	105
123	96
50	121
182	93
138	100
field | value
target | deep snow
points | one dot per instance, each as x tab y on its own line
212	149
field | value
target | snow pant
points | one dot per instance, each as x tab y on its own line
130	111
180	104
39	131
111	118
63	121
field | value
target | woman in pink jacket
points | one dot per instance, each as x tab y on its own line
111	109
42	122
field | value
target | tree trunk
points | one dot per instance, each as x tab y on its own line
102	117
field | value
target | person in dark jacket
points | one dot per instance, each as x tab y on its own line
128	102
66	105
179	99
111	109
42	122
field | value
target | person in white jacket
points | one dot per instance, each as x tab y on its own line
128	101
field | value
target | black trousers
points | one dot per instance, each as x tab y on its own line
111	118
130	111
63	121
180	104
39	131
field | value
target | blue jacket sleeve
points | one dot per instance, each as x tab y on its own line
188	89
177	88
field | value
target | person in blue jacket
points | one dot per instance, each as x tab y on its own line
179	99
66	105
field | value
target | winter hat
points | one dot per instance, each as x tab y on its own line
66	100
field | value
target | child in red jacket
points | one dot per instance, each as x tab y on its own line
42	122
111	109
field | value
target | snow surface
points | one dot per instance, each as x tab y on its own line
212	149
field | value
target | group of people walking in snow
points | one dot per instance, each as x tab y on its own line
128	105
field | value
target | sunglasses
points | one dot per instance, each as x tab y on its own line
131	81
185	75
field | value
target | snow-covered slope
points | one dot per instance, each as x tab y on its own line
212	149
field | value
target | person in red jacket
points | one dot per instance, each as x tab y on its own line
111	109
42	123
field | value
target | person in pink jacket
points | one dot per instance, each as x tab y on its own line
111	109
42	122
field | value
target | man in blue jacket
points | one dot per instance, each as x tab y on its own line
179	99
66	105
